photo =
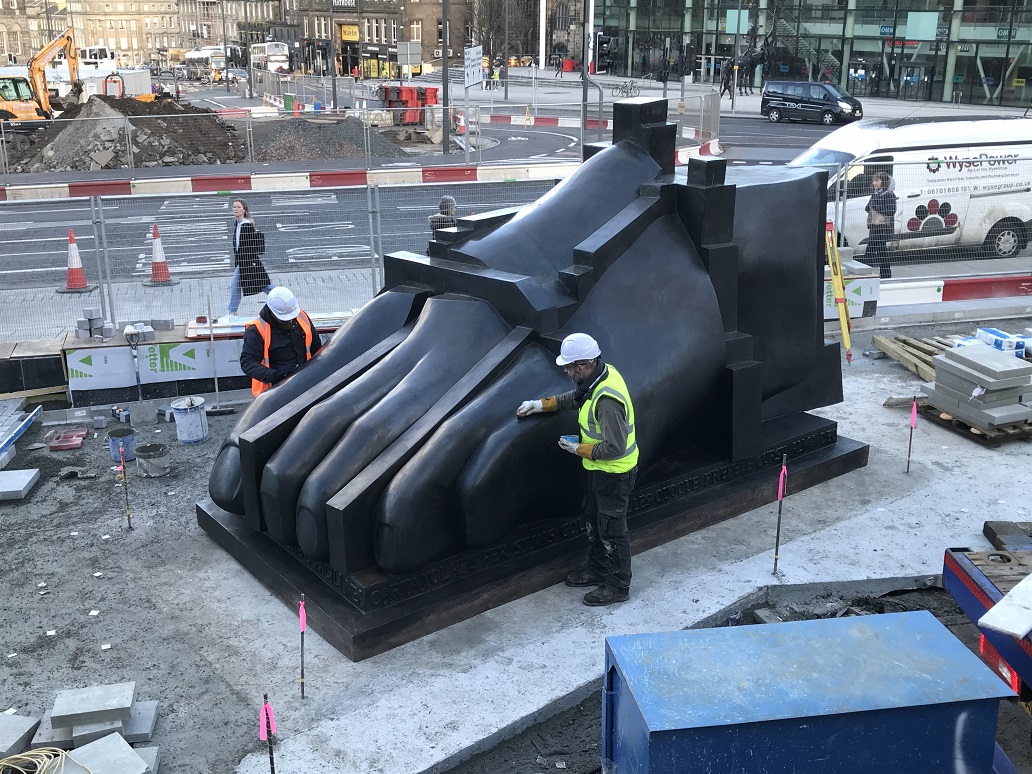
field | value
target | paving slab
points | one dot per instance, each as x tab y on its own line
142	718
978	402
95	704
992	362
959	369
150	756
939	399
6	456
16	484
109	755
986	419
48	736
966	386
15	733
91	732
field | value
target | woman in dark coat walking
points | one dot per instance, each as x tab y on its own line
881	226
249	275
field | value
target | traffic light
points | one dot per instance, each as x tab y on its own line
603	53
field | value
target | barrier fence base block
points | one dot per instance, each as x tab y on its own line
87	289
166	284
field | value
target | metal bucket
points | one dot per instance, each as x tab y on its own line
191	421
153	460
124	437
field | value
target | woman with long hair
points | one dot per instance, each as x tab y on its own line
249	275
881	224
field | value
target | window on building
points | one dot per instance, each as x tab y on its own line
469	33
416	31
394	30
367	26
440	34
111	24
3	42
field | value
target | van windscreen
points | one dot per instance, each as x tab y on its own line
839	93
822	157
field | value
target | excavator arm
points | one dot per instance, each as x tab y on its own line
38	75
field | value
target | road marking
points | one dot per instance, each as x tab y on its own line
766	163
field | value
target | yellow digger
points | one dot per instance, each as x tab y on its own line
25	101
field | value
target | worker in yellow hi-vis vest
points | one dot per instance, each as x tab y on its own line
608	450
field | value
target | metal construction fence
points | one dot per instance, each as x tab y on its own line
326	244
967	205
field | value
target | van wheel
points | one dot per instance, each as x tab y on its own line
774	116
1005	240
827	118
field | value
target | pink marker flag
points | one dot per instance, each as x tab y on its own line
782	480
302	615
913	415
266	708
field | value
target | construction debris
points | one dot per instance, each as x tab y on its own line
161	133
300	139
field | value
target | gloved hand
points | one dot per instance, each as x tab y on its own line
283	372
567	445
529	407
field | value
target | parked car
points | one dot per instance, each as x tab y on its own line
236	74
808	101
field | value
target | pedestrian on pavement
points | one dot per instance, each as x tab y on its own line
278	342
558	67
444	217
726	83
609	452
248	243
881	214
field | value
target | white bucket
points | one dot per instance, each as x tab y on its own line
153	460
191	421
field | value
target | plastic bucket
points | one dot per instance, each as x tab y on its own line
191	421
124	437
153	460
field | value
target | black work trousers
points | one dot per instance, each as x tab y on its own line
604	509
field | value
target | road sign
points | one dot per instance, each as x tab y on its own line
474	65
409	54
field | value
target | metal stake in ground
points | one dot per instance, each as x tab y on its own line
266	728
913	424
125	481
782	484
304	621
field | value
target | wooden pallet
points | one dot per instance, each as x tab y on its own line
993	438
915	354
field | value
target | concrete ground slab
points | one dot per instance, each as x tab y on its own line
151	756
109	755
91	732
16	484
15	733
142	718
48	736
93	705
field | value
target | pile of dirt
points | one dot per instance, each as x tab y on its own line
163	133
303	140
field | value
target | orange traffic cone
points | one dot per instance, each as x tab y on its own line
159	274
76	280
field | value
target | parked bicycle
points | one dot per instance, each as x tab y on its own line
626	89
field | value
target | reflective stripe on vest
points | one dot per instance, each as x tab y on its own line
612	386
257	387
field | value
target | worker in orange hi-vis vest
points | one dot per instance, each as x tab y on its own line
278	342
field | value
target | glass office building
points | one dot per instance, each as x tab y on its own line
969	51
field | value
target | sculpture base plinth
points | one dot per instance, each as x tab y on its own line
371	611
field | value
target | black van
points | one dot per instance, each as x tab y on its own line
807	101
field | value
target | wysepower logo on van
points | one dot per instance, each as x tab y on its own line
935	164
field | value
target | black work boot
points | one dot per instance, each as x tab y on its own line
582	577
606	595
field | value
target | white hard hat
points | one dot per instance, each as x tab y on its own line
577	346
282	304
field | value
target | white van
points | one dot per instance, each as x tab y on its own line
960	182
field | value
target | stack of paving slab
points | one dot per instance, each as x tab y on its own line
97	725
14	422
983	386
92	325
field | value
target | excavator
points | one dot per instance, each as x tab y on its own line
26	101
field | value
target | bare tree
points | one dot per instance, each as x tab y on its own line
488	23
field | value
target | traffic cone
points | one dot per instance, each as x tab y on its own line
297	113
76	280
159	273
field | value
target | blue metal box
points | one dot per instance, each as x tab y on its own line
879	694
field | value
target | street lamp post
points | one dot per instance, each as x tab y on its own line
333	59
734	57
506	50
225	49
446	118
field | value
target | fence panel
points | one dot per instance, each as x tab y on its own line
34	266
958	213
